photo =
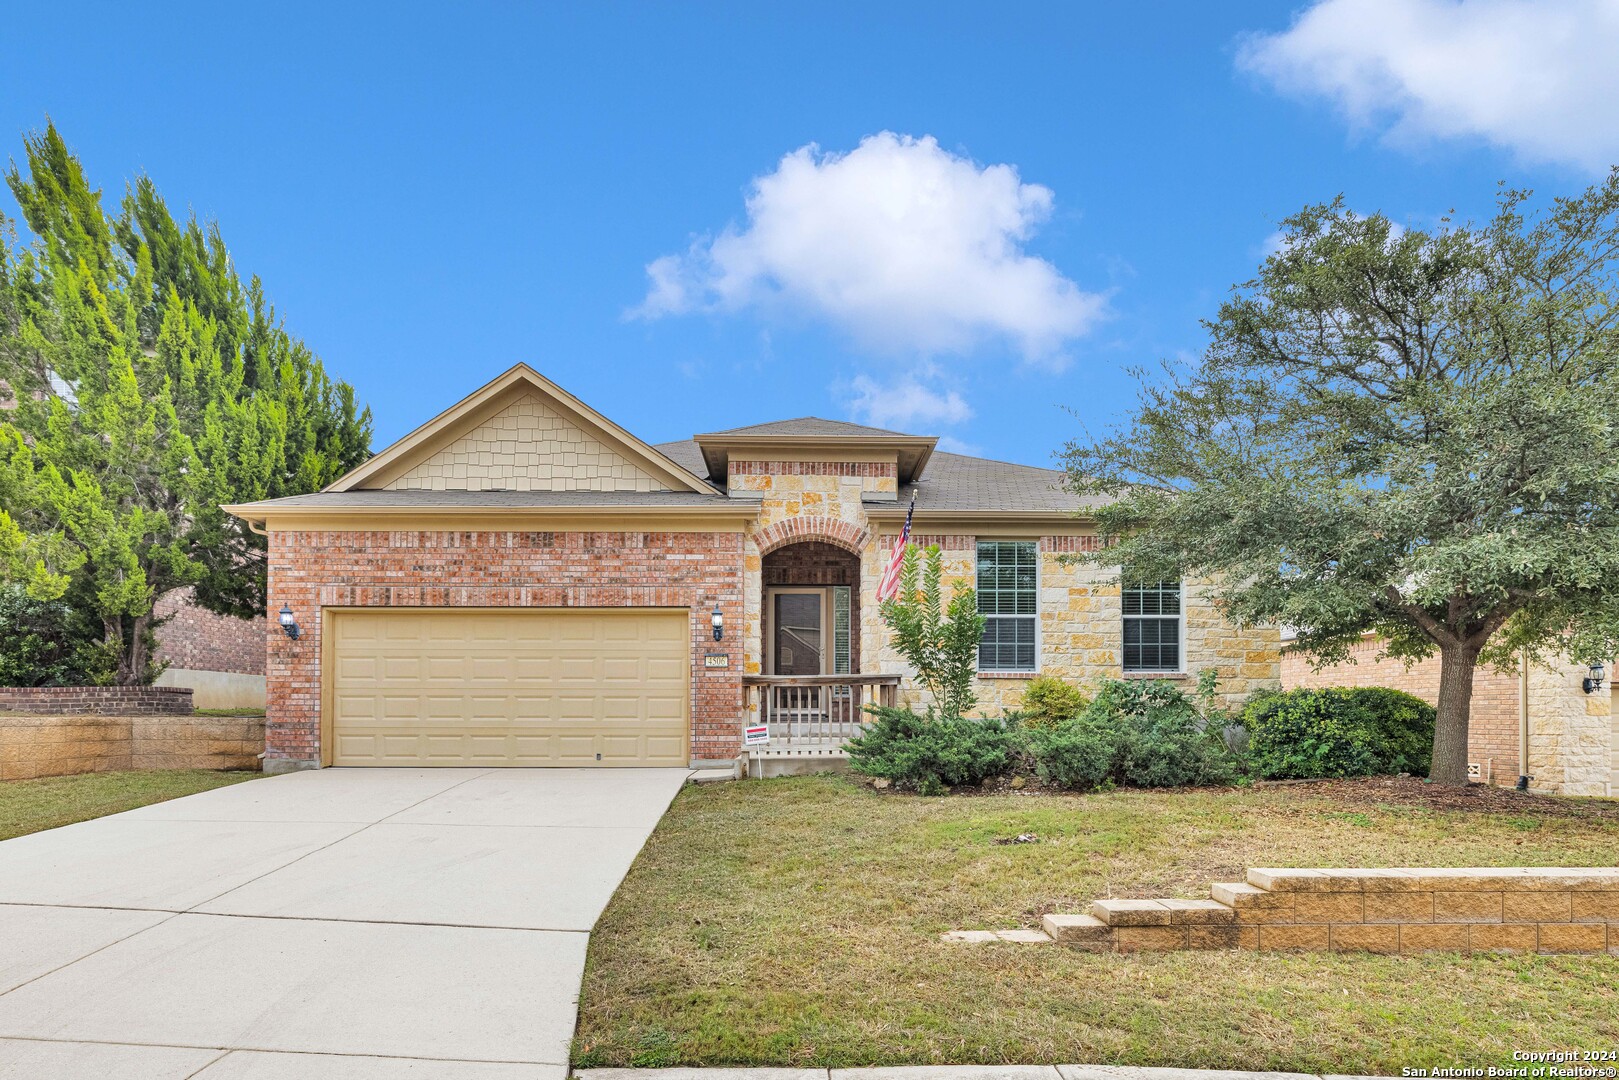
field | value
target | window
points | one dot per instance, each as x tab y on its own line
1007	589
1152	627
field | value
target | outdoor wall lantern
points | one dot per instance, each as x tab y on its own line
1593	681
288	623
718	621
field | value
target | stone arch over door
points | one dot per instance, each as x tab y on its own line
814	566
835	531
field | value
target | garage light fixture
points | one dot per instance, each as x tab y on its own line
718	621
1593	681
288	623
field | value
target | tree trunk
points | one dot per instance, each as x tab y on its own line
131	649
1457	664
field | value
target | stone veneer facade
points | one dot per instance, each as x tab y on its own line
1081	620
1573	738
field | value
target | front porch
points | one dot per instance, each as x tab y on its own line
810	717
810	695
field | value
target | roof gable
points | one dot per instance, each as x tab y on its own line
520	432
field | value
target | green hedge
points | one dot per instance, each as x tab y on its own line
1136	733
927	754
1341	731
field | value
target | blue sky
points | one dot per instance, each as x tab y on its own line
432	193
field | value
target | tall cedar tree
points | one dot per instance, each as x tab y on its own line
148	386
1414	434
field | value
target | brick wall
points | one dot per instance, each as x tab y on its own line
199	640
1492	738
887	469
312	570
96	700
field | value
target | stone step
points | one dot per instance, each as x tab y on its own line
1245	897
1199	913
1131	912
1077	929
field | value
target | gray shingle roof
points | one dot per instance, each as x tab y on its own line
810	425
959	482
953	482
685	453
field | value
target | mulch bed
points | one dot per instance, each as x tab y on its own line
1414	792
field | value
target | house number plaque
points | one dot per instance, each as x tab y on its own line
716	660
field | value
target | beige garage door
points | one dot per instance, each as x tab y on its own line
532	687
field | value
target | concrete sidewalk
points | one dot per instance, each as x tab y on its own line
343	923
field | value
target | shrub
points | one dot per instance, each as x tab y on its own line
929	753
1073	754
41	644
1048	701
1145	734
1369	731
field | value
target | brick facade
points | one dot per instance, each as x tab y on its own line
1573	738
96	700
887	469
1492	736
198	639
310	571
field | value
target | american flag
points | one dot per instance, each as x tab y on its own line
888	587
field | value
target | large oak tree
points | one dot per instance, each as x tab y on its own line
1408	433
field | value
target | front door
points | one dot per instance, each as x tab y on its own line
797	632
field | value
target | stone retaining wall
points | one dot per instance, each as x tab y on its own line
96	700
33	746
1399	910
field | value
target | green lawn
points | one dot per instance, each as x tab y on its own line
796	922
31	805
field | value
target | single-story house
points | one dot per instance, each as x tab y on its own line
520	581
1551	724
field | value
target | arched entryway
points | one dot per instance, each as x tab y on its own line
811	610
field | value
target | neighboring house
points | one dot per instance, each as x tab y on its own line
520	581
221	658
1571	737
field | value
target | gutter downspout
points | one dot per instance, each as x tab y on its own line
1523	723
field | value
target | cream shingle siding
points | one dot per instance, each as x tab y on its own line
527	446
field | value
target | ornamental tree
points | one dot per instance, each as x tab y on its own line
1413	434
940	641
147	385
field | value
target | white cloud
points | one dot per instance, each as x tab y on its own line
952	445
1539	79
905	405
905	246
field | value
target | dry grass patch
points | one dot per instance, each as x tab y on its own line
796	922
28	806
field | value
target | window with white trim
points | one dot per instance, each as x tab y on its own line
1153	624
1008	592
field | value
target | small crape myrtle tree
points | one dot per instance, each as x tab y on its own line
940	641
1410	433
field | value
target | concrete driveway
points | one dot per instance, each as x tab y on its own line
346	923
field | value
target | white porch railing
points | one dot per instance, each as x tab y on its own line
815	714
